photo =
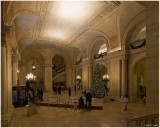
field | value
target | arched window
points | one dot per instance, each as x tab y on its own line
139	32
102	49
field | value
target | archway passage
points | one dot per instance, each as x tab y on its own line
58	72
139	81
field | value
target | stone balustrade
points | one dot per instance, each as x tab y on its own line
143	121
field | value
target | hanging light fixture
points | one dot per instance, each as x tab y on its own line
33	66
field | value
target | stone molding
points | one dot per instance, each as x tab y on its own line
5	119
108	9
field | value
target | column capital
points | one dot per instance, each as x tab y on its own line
5	29
15	57
3	41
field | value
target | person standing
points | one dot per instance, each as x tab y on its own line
75	88
81	103
41	93
69	91
126	102
89	101
59	90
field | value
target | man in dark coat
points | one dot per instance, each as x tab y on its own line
59	90
81	103
69	91
41	94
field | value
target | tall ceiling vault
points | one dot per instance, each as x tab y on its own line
68	24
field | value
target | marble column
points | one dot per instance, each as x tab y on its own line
69	77
4	90
85	77
48	77
124	77
9	81
90	74
74	76
22	75
15	67
152	57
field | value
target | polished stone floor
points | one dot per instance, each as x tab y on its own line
112	115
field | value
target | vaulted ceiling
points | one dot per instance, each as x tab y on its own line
68	24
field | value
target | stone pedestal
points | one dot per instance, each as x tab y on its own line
106	99
32	109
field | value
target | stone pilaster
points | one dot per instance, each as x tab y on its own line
74	76
22	75
85	75
48	77
152	57
6	79
15	67
69	77
90	75
4	89
124	77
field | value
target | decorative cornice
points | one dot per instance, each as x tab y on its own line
41	18
110	7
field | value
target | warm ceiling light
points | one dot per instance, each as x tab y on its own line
33	66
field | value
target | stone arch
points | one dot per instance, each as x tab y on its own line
130	87
66	58
96	45
131	27
18	13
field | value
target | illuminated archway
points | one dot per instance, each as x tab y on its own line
59	71
139	80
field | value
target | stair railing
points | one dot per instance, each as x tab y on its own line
143	121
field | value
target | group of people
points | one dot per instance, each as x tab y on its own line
87	105
55	89
40	94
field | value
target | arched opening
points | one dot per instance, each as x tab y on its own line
139	32
139	81
58	72
100	50
26	66
79	58
79	79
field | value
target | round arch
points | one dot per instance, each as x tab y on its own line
132	66
131	27
19	13
66	58
96	44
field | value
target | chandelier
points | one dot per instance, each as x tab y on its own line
30	77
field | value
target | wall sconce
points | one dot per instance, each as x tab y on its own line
78	77
106	77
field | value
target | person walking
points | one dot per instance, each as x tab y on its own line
126	102
69	91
